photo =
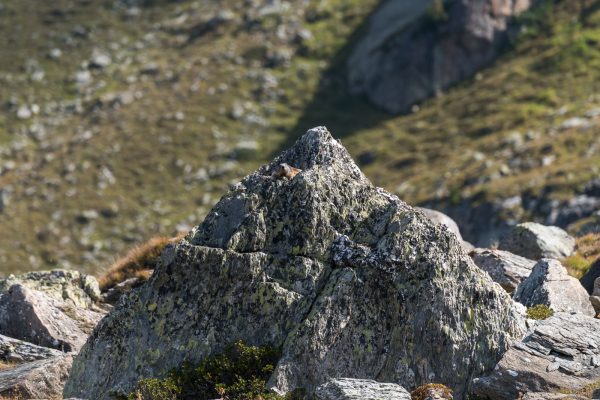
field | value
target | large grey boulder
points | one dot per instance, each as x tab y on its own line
17	351
347	279
559	353
36	317
411	50
550	284
41	379
534	241
360	389
80	289
506	268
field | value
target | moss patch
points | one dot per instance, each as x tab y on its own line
240	373
541	311
425	391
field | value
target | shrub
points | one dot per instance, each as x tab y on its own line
138	263
540	311
240	373
425	391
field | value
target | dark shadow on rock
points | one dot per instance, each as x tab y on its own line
332	104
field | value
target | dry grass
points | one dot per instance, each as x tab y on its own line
5	365
425	391
588	251
138	263
590	391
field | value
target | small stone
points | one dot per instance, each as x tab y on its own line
24	112
55	53
100	60
83	78
150	68
553	367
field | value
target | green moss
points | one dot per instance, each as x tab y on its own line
541	311
240	373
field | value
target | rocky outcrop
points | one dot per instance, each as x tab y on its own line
360	389
560	353
414	49
508	269
41	379
36	317
80	289
17	351
550	284
346	278
52	312
534	241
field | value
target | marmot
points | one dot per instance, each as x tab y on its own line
285	170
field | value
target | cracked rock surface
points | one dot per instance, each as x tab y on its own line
39	379
534	241
77	288
18	351
346	278
550	284
508	269
360	389
559	353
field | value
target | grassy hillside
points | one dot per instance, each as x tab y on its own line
199	93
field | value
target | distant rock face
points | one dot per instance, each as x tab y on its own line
561	352
508	269
550	284
346	278
360	389
414	49
534	241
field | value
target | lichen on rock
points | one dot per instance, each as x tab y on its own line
347	279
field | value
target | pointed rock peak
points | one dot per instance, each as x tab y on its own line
297	204
317	147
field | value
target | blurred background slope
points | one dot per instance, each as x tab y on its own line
124	119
